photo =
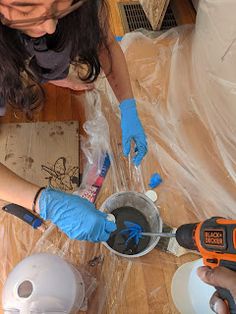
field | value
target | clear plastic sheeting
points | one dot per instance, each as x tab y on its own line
184	81
119	281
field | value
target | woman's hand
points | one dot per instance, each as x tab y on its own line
75	216
132	129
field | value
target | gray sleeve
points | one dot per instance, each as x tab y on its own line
45	63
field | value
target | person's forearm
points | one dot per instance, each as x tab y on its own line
15	189
116	70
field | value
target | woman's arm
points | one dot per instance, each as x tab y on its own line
115	69
15	189
74	215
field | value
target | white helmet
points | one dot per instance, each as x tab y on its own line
43	283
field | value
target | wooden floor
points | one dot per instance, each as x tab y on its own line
61	105
65	107
182	9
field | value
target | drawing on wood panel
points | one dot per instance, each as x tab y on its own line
61	175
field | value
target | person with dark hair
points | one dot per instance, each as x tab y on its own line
39	40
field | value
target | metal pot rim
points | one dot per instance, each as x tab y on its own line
153	245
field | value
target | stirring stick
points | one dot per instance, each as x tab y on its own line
160	234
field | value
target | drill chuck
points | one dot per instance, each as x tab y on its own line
185	236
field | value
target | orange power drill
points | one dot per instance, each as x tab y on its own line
215	239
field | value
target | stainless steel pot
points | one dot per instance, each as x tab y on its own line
143	204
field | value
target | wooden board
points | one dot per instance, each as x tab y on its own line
182	9
44	153
155	11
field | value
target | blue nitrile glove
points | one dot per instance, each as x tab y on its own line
75	216
132	129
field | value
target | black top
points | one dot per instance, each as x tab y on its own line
48	64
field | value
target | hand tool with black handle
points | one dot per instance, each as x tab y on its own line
24	214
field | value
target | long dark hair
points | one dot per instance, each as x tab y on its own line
86	29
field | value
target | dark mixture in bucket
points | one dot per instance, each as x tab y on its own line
117	240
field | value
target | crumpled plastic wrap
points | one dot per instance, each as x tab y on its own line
184	82
185	85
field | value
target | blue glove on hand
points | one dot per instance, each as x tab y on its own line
75	216
132	129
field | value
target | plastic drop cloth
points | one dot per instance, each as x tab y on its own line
184	81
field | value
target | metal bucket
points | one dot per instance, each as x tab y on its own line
145	206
